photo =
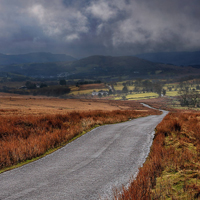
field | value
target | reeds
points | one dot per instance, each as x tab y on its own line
172	168
27	137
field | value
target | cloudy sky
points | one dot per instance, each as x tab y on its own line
107	27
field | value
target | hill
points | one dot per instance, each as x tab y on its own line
125	66
97	67
40	57
39	69
175	58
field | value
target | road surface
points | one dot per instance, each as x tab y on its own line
87	168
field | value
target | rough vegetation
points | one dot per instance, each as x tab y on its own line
26	137
172	168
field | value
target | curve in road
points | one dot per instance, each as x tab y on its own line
87	168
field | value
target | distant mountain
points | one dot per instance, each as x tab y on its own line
38	69
106	67
175	58
40	57
109	65
123	66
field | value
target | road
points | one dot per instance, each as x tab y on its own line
87	168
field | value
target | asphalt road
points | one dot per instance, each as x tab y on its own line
88	168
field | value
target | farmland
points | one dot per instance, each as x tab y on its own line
134	92
39	125
12	104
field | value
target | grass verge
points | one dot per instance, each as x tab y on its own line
46	153
172	168
24	138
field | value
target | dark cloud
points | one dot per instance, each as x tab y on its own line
86	27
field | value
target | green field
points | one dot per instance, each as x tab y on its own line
172	90
138	96
172	93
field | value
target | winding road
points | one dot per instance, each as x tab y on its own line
87	168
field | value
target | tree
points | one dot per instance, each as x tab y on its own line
164	92
124	97
99	95
169	88
125	89
110	92
104	94
158	88
113	89
63	82
30	85
147	85
189	97
42	85
136	89
138	82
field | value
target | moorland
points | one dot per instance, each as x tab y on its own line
45	105
30	128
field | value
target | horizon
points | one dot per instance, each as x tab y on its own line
100	54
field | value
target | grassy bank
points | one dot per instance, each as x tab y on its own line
26	137
172	168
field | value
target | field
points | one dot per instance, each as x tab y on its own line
136	89
138	96
11	104
31	127
86	90
171	170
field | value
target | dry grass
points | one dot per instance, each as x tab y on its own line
11	104
163	103
27	134
96	86
172	168
23	105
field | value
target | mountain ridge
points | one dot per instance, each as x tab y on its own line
99	66
175	58
38	57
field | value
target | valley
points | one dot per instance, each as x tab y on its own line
45	106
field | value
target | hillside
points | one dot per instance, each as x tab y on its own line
175	58
40	57
125	66
109	65
97	67
38	69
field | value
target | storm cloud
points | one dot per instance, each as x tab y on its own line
110	27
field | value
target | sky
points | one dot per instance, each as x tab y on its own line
82	28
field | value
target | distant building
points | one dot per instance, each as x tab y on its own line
103	93
23	87
37	86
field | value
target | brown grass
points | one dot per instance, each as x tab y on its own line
26	136
11	104
163	103
95	86
172	168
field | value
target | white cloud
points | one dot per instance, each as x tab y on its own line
102	10
59	22
99	28
72	37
